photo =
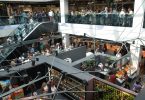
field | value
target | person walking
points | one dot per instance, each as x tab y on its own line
15	38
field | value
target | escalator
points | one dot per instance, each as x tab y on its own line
23	33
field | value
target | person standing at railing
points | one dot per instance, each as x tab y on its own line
20	33
110	11
115	17
106	15
39	16
34	16
130	16
51	15
21	36
122	17
57	15
11	20
23	17
9	40
43	16
31	22
26	28
15	38
2	53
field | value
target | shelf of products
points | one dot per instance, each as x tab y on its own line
108	92
68	83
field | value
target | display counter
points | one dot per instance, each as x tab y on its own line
108	91
120	74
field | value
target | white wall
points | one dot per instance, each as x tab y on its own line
103	32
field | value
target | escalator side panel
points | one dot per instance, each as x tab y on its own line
36	33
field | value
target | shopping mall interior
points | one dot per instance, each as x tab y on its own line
72	49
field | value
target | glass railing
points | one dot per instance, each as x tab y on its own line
21	32
101	19
12	20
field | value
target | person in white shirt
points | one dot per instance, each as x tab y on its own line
51	15
130	16
9	40
53	87
122	17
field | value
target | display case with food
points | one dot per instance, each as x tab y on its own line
109	91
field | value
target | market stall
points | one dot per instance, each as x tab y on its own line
108	91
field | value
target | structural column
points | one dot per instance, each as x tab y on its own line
138	14
135	50
63	10
65	40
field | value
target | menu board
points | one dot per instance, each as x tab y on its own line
108	92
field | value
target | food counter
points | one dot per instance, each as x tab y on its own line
131	73
108	91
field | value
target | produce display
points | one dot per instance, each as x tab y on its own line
121	72
108	92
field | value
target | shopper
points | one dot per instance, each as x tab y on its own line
112	77
51	15
9	40
21	34
15	38
44	89
137	86
53	87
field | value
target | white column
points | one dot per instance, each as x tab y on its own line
66	40
63	10
135	56
138	14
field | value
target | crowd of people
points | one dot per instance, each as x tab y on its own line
30	90
134	86
29	17
43	47
107	16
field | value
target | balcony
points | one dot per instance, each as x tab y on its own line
12	20
101	19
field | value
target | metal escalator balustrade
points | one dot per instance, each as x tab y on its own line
26	32
15	36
